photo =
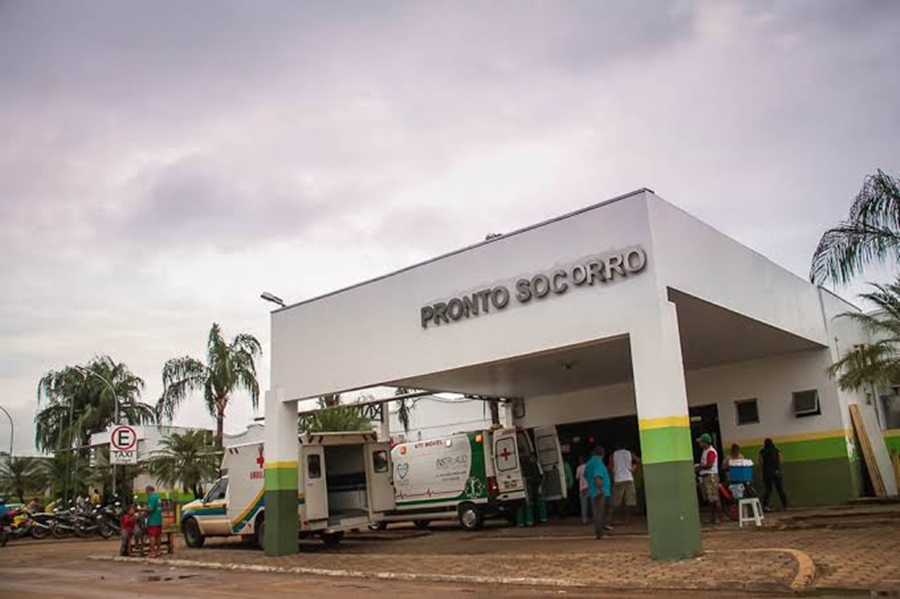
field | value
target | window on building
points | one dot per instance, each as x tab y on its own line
806	403
747	411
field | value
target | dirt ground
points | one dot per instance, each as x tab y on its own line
59	569
850	552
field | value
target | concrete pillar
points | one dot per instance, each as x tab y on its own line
666	451
282	450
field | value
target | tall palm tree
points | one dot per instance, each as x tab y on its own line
870	234
229	367
20	476
187	460
879	362
79	403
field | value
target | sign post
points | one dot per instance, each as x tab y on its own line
123	441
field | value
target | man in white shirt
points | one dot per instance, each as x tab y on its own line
708	471
624	464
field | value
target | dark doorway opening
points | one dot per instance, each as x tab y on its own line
705	419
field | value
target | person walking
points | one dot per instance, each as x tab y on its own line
584	496
624	464
708	471
770	456
599	488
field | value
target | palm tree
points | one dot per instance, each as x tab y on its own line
20	476
870	234
229	367
65	473
332	416
404	408
187	460
879	362
79	403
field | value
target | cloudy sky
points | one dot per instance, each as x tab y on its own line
162	163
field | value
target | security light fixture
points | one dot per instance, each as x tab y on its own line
272	298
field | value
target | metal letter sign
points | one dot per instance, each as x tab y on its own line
123	441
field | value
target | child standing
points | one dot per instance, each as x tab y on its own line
128	520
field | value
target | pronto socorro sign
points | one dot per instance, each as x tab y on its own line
596	270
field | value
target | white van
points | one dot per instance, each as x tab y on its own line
344	482
472	476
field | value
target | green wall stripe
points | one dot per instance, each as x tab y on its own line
277	479
666	444
803	451
892	442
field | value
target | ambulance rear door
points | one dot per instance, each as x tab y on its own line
315	489
550	458
507	467
380	481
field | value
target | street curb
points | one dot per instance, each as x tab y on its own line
805	575
806	568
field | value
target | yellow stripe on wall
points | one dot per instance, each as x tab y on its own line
664	422
274	465
798	437
891	433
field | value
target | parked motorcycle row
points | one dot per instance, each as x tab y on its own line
77	519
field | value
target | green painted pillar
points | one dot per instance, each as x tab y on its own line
282	448
673	516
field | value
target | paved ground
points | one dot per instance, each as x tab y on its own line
841	550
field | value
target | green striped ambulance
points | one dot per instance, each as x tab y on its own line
344	482
473	475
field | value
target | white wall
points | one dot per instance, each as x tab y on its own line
770	380
697	259
431	418
371	334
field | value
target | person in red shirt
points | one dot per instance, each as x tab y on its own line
128	521
708	471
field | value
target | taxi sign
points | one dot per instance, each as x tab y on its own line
123	441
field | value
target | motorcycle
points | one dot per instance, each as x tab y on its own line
24	524
111	523
63	524
92	522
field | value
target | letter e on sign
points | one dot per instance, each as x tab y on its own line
123	438
123	445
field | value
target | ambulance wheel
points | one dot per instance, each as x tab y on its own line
421	524
470	516
259	532
192	535
331	539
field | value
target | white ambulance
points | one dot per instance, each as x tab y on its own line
472	476
344	482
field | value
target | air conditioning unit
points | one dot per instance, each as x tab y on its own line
806	403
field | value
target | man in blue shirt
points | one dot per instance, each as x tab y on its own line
599	488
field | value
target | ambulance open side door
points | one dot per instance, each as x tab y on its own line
315	488
551	460
379	475
507	467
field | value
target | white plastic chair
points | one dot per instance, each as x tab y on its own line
753	511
